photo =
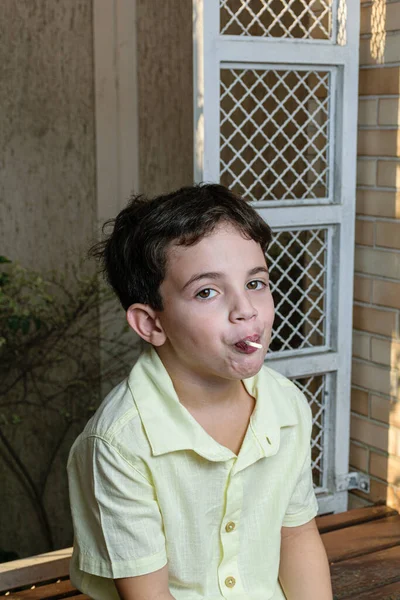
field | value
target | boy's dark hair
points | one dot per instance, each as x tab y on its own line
134	256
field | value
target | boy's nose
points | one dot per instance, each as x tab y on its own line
242	309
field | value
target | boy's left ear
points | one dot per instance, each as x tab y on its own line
143	319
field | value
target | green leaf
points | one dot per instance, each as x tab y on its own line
4	260
4	278
25	324
14	323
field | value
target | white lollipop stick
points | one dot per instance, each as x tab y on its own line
253	344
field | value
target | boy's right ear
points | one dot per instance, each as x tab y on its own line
143	319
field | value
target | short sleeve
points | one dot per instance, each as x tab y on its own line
303	505
117	521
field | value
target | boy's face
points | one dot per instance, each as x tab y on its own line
216	294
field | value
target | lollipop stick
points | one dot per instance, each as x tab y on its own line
253	344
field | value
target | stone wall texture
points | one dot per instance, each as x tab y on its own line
47	161
47	216
375	402
165	94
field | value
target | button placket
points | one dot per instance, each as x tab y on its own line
228	570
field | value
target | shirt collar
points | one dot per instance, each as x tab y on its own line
170	427
273	409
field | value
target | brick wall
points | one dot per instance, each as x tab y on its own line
375	402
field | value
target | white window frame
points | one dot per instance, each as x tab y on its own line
211	50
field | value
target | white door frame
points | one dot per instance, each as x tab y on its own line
213	50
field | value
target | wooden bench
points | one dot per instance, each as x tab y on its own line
363	547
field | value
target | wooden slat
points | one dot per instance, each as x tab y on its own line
363	547
35	569
364	573
387	592
362	539
62	589
353	517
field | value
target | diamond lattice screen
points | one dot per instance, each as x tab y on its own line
299	19
297	262
314	389
274	133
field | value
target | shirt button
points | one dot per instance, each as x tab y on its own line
230	526
230	582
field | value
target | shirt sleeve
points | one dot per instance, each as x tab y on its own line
117	521
303	505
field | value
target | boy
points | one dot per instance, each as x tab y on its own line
193	479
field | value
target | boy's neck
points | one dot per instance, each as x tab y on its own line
196	397
196	392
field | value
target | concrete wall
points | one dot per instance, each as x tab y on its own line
47	215
48	201
375	430
47	162
165	94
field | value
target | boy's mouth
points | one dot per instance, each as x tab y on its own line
244	347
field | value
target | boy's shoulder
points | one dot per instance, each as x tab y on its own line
116	422
114	413
276	376
289	401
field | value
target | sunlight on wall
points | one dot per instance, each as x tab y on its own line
393	468
342	21
393	460
199	90
378	30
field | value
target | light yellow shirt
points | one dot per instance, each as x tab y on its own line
149	486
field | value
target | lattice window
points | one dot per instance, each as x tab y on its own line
298	262
275	120
304	19
275	133
314	389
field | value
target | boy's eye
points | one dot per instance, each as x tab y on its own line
206	293
257	284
